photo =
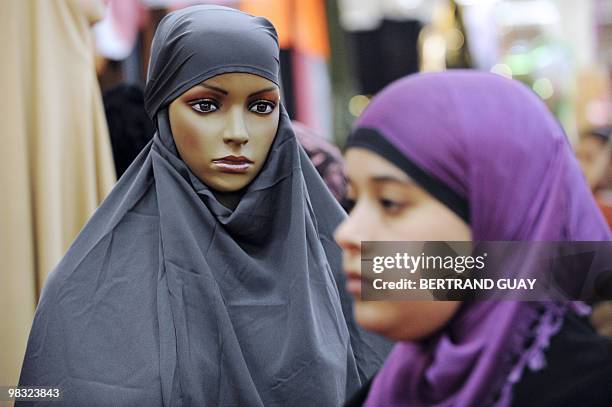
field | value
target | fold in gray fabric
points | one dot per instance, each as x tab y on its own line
168	298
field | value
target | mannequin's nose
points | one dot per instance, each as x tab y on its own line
235	131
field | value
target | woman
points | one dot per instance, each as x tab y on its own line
462	156
209	275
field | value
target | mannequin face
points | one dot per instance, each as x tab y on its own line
223	128
388	206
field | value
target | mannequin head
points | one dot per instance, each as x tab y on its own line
223	128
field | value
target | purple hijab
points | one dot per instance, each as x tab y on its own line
493	143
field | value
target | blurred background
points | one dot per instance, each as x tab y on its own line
338	53
72	116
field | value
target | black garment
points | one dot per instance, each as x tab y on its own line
386	53
128	124
578	372
358	399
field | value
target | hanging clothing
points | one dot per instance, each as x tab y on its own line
489	149
169	298
385	53
130	127
305	52
55	161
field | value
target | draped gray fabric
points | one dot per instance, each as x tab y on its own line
169	298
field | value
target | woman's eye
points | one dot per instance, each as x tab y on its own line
390	206
262	107
204	106
348	204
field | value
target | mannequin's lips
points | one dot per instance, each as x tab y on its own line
233	164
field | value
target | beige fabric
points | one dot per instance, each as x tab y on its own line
55	157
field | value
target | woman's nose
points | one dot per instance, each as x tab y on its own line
350	233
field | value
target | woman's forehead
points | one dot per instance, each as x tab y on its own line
367	166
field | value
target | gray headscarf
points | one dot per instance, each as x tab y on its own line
169	298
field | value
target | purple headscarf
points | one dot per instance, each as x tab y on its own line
494	144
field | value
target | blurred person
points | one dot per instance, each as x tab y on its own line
55	159
209	276
602	318
594	153
462	156
325	157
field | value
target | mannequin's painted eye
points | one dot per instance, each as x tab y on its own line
262	107
204	105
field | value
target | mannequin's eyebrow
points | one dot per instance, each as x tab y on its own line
214	88
224	92
263	91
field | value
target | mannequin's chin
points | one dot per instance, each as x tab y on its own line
228	182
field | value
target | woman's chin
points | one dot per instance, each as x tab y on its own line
374	316
382	318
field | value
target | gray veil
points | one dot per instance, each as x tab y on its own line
168	298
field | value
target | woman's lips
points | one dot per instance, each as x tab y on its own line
353	283
233	164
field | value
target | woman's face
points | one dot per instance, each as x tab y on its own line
223	128
388	206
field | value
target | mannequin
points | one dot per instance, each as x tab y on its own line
209	275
